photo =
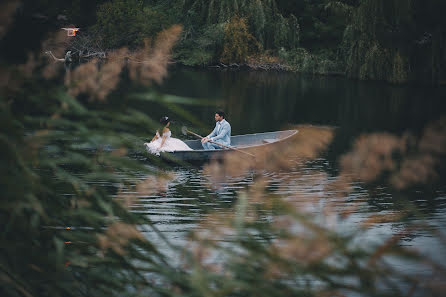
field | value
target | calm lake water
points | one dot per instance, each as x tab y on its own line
260	102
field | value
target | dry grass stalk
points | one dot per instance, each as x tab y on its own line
382	218
126	200
82	79
147	64
256	192
421	167
348	211
300	241
13	77
281	156
389	244
5	78
415	170
27	69
372	155
305	194
437	286
434	138
58	42
375	154
7	11
95	79
304	249
121	152
215	227
341	187
117	237
311	195
81	203
152	185
202	255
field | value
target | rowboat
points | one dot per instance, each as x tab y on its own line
240	142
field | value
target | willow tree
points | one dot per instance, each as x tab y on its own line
397	41
239	43
262	16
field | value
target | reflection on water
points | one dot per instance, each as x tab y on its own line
190	197
259	102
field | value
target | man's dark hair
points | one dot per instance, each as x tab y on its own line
221	113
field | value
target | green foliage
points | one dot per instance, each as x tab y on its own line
67	228
239	43
128	23
322	62
317	24
382	40
128	14
67	231
263	21
33	211
321	21
389	40
203	50
286	32
198	57
293	38
58	152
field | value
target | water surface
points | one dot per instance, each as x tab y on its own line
268	101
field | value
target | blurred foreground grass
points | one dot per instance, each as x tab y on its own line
63	133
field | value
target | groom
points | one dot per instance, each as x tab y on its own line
221	133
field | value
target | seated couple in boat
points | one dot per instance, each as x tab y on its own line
163	142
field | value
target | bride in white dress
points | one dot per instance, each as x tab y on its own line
164	142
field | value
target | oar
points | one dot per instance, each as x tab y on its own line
185	131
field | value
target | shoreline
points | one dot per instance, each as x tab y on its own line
280	67
253	65
261	67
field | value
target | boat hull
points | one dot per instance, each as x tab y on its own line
246	142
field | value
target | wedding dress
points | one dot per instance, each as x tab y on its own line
170	144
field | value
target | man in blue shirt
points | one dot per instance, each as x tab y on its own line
221	134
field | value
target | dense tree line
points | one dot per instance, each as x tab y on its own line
395	41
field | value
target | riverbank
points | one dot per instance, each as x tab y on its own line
275	67
299	61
